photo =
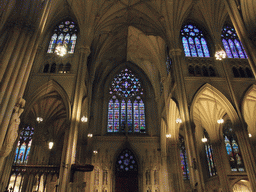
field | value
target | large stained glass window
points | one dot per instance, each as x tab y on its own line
194	43
183	156
126	110
209	155
232	44
24	145
232	148
64	33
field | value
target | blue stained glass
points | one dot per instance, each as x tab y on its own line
239	48
24	145
193	42
233	48
186	47
227	49
199	48
205	48
192	47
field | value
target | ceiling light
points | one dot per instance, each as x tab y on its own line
90	135
168	136
51	145
204	139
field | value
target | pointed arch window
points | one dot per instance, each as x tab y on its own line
209	155
232	148
183	156
232	44
126	110
126	162
24	145
64	32
194	43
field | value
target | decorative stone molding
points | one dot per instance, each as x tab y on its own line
174	52
12	132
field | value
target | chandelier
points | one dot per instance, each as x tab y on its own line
219	55
61	49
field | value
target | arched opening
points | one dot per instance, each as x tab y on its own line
126	171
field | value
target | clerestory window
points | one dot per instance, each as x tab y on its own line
232	44
64	33
194	43
126	109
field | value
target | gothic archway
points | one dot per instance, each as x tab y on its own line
126	172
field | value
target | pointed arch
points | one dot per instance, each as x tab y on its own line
172	114
209	105
45	89
249	109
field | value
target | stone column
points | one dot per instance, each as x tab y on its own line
221	166
17	67
71	143
174	166
242	33
196	178
247	154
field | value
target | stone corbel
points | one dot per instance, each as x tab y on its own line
12	132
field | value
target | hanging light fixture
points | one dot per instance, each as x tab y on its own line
204	139
61	49
95	152
50	144
178	120
39	119
84	119
219	55
168	136
90	135
220	121
250	135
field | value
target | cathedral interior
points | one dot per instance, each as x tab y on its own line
127	95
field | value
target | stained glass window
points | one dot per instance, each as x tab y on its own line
232	44
126	162
126	110
232	148
64	33
24	145
209	155
183	156
194	43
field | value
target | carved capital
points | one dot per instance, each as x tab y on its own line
84	49
175	52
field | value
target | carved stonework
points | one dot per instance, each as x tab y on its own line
12	132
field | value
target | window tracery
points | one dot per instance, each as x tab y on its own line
232	44
126	162
24	145
194	43
232	148
126	110
64	33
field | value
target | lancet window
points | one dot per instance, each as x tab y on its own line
232	148
126	109
232	44
24	145
183	156
64	33
209	155
194	42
